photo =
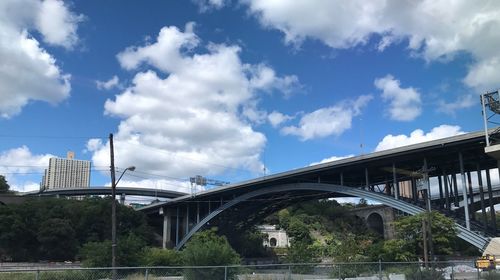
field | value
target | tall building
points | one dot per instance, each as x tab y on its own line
67	173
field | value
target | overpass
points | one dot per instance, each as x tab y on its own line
106	191
397	178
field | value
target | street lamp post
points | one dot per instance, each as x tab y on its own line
113	203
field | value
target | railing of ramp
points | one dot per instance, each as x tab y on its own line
348	270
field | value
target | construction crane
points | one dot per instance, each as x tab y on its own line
199	180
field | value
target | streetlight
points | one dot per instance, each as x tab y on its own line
113	214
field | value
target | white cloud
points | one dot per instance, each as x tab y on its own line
191	120
435	30
417	136
328	121
208	5
405	103
330	159
19	163
277	118
28	72
57	24
264	78
109	84
462	102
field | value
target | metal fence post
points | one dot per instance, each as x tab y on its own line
380	269
340	273
146	274
37	275
225	272
452	276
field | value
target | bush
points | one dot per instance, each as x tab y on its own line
160	257
98	254
206	248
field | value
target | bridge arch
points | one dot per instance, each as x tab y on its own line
469	236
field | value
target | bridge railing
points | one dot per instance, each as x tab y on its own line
346	270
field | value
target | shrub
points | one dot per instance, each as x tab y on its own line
206	248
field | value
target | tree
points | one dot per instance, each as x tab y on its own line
98	254
206	248
57	240
409	229
4	186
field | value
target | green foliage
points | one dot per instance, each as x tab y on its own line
96	254
301	252
55	229
397	250
160	257
409	229
249	243
128	252
351	248
4	186
57	239
206	248
298	231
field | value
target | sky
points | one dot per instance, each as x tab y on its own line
234	90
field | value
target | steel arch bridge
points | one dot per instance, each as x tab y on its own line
458	168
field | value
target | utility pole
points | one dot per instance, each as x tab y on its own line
113	207
424	241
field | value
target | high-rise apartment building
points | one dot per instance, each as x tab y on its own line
67	173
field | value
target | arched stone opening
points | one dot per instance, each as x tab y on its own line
375	223
273	242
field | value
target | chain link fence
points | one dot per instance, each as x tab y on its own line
360	271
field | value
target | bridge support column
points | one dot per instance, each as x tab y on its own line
440	183
464	191
492	204
122	199
446	192
481	195
472	208
177	227
367	179
395	183
167	227
455	189
186	225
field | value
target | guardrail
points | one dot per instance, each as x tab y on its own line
355	270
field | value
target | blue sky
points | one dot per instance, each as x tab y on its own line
233	89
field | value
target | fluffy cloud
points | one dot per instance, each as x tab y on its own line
57	24
277	118
435	30
417	136
18	163
29	72
327	121
193	119
109	84
330	159
405	104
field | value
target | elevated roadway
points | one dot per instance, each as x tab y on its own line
392	177
107	191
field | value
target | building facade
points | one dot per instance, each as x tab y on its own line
276	238
67	173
